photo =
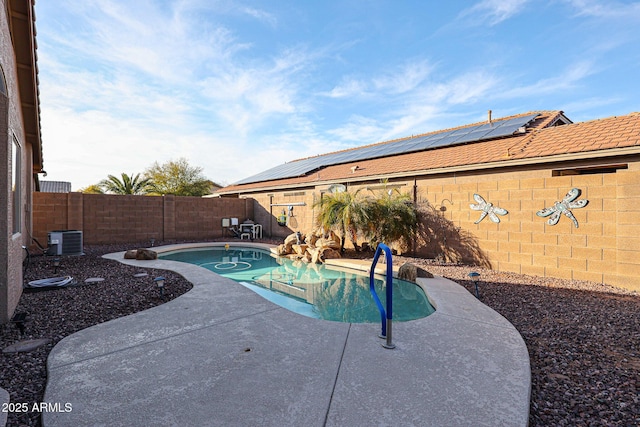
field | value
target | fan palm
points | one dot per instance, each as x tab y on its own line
342	211
393	218
127	185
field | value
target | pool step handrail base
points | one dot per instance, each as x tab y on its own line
386	316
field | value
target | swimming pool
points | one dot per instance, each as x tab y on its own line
314	290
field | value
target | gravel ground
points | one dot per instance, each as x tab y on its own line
583	338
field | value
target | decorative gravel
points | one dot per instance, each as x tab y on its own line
583	340
583	337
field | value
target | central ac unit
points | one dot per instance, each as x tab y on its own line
64	242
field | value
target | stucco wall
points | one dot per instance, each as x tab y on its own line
11	252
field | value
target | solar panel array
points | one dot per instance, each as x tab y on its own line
481	132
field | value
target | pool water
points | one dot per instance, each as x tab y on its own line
314	290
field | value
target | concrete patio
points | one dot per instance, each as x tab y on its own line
222	355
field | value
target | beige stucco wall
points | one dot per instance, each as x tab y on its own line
11	253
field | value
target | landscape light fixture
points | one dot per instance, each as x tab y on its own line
475	276
56	264
153	241
160	285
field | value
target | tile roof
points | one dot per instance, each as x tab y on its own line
542	141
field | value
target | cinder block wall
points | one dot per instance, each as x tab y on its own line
604	248
269	206
107	219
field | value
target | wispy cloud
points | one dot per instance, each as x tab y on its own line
607	10
395	81
415	111
261	15
491	12
405	79
568	80
136	87
349	87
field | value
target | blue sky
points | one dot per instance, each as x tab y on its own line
237	87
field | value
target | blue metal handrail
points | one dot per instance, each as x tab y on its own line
385	316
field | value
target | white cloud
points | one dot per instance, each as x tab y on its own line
608	9
126	94
360	130
395	81
405	79
492	12
413	111
261	15
569	79
349	87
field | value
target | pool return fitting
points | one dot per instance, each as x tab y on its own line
385	316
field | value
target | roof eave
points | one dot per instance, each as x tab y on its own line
23	35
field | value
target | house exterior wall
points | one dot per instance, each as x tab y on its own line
105	218
604	248
11	126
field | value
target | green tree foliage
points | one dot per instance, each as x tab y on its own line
393	219
345	212
179	178
92	189
386	216
127	185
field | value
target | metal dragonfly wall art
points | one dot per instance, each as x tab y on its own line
487	209
564	207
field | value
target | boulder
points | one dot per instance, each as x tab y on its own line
291	239
312	239
146	254
299	249
327	243
315	255
410	272
131	254
328	253
281	250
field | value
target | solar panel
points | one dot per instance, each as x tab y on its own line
480	132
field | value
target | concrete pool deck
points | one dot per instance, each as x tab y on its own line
221	355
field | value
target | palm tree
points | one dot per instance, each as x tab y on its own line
128	184
393	218
342	211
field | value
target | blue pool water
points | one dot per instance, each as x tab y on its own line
310	289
